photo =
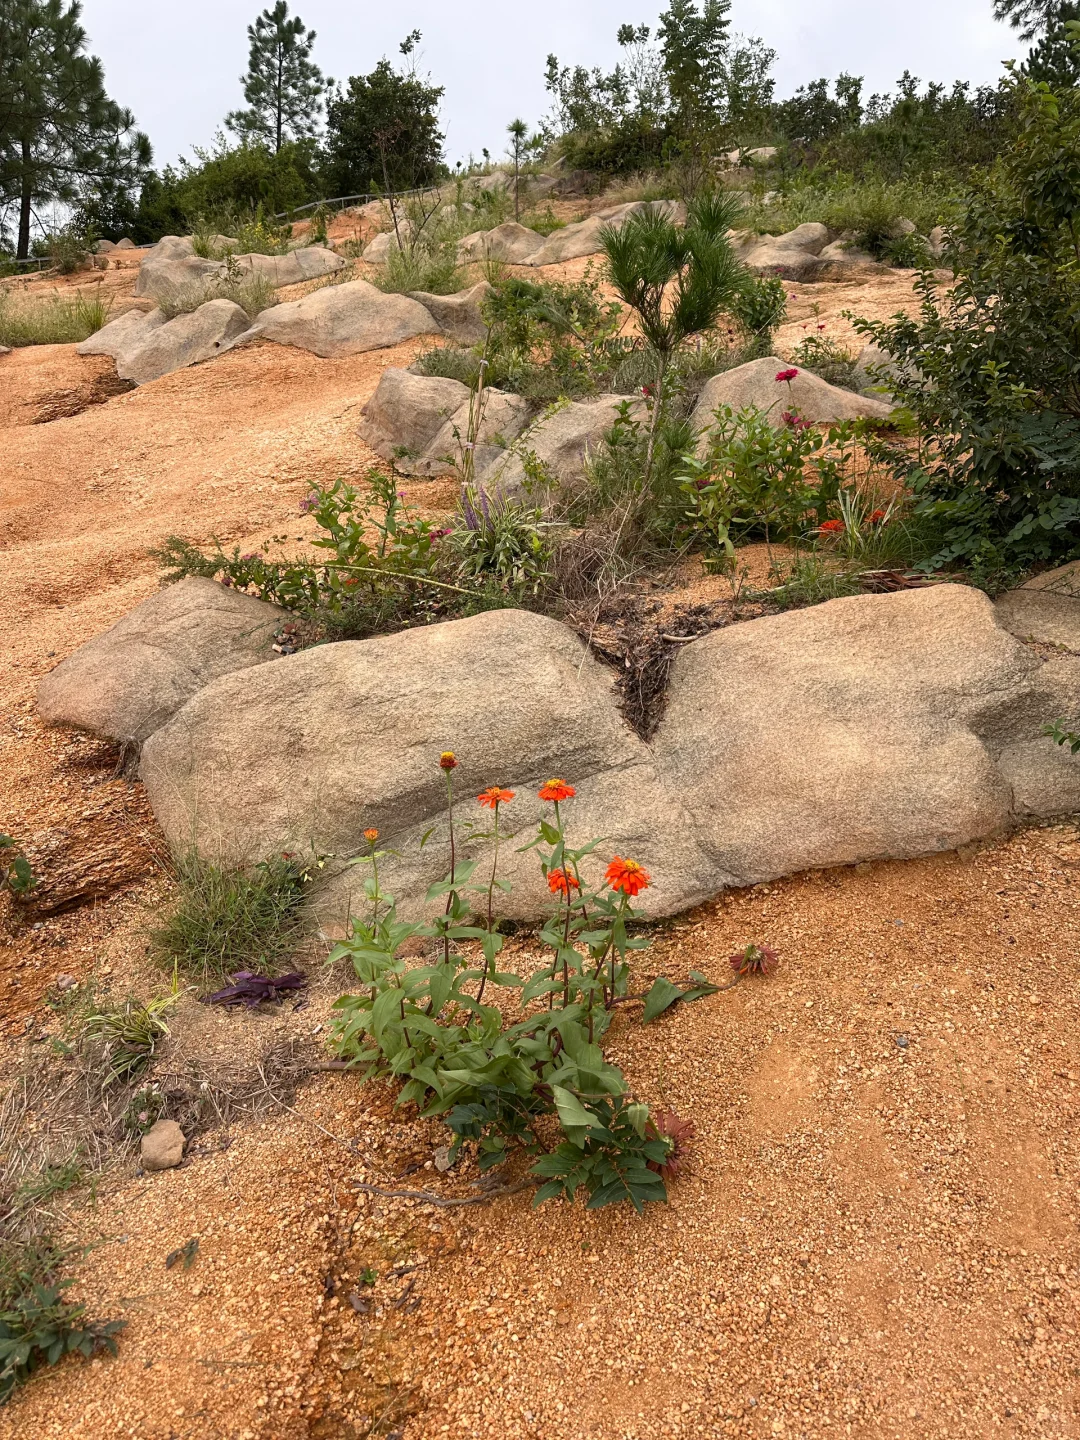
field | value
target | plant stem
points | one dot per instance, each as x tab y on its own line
453	863
491	897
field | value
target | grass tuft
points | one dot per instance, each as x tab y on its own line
53	321
226	919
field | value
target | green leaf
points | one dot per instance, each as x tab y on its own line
660	998
638	1116
572	1114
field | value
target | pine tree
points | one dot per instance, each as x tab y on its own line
518	132
1030	17
283	88
1056	58
61	137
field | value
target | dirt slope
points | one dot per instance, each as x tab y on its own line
873	1238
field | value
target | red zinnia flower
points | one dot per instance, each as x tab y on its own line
755	960
787	375
877	517
832	527
494	797
557	790
448	760
627	876
561	882
371	836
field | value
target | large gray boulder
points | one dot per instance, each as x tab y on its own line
171	270
917	720
1046	609
313	750
199	335
412	420
122	337
899	706
576	241
459	316
377	251
755	385
308	262
794	255
551	455
344	320
510	243
407	411
125	683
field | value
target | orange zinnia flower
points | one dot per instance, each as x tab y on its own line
557	790
627	875
561	882
494	797
832	527
448	760
371	836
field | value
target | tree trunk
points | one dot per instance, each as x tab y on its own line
27	195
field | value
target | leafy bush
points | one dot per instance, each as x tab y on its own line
991	367
54	321
827	358
548	341
16	874
866	209
38	1326
252	292
760	306
226	918
455	1056
248	232
69	250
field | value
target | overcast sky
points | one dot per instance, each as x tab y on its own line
177	67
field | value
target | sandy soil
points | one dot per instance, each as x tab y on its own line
874	1237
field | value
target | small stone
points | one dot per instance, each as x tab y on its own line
901	1042
162	1146
66	982
442	1159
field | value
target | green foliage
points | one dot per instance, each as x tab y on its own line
383	132
458	1058
59	131
226	918
828	359
867	209
283	87
69	250
425	255
1056	58
501	544
16	874
53	321
251	291
551	340
128	1035
38	1325
760	306
812	580
757	481
991	368
1066	738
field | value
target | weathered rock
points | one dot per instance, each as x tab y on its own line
5	349
557	447
407	411
1064	580
897	701
171	270
344	320
510	243
794	256
460	315
126	244
575	241
309	262
123	337
411	420
845	255
199	335
162	1146
1051	617
936	241
323	744
125	683
377	252
755	384
1044	777
102	247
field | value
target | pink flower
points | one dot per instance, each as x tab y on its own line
787	375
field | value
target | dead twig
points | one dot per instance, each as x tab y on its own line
444	1202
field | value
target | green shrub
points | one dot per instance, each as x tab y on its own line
760	306
828	359
52	321
501	543
16	873
449	362
128	1034
38	1326
551	340
69	250
254	293
991	367
227	918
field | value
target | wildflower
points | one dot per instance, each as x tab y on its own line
371	836
832	527
627	876
448	761
494	797
251	555
646	390
557	790
680	1135
561	882
877	517
821	327
794	421
755	960
788	375
308	504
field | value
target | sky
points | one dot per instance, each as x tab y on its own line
180	74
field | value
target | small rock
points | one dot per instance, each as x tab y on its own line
162	1146
901	1042
66	982
442	1159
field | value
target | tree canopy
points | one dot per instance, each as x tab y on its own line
61	137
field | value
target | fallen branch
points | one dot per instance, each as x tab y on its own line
446	1203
